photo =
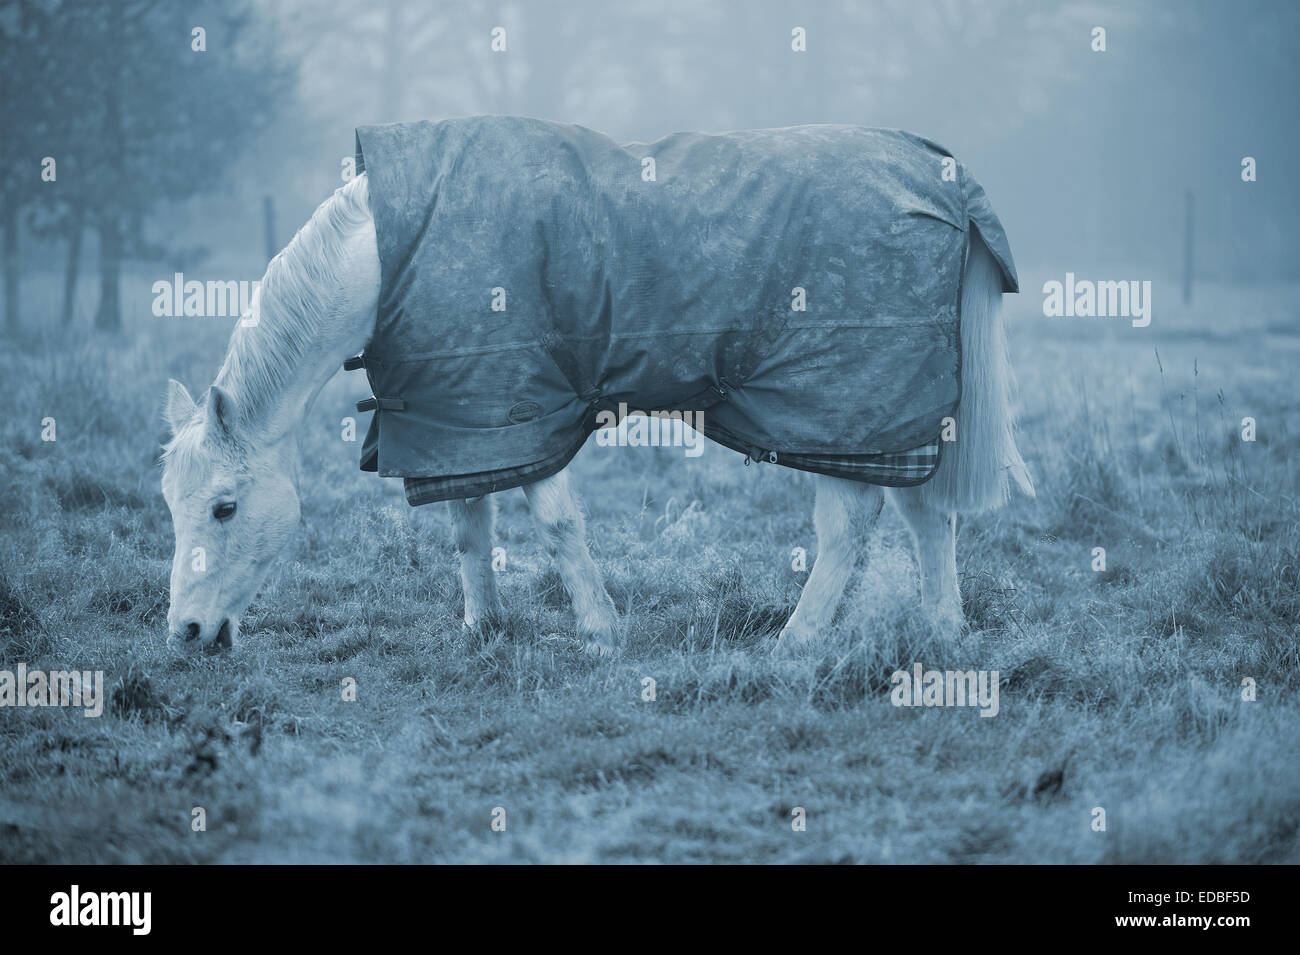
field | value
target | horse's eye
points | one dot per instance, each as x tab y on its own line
223	511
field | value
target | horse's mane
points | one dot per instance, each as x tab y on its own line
300	290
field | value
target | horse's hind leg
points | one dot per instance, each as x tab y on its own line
472	525
934	532
559	522
844	516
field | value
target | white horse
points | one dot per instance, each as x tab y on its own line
230	471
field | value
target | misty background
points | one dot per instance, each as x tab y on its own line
206	162
1171	449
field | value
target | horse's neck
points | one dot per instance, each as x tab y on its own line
274	413
278	362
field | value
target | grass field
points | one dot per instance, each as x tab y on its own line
1119	689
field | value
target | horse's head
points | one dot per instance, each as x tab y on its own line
234	508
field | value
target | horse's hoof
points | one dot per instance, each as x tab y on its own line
484	627
601	643
950	620
790	636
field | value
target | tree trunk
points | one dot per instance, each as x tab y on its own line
11	266
73	267
108	316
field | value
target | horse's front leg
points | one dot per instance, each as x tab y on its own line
559	523
472	523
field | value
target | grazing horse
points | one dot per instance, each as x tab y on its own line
231	469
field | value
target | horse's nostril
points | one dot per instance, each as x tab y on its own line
223	635
191	631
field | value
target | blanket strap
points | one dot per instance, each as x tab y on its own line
370	446
588	392
373	403
381	404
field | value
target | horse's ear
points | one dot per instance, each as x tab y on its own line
180	406
221	414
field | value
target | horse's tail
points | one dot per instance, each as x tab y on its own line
976	470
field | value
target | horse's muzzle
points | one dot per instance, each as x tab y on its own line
188	637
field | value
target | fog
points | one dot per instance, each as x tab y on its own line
1091	155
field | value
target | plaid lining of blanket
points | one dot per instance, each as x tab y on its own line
894	469
461	487
899	469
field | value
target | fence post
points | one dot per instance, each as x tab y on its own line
268	215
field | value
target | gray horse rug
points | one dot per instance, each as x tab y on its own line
800	288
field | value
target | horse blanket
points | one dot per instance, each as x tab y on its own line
801	287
